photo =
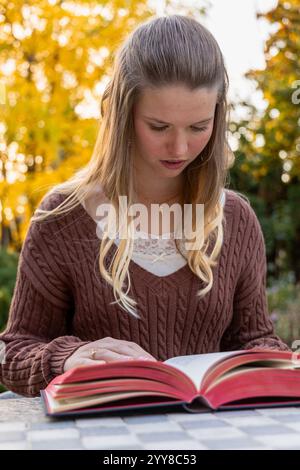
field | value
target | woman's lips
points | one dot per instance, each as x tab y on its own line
173	164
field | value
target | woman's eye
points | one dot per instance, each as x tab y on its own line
199	129
195	129
158	128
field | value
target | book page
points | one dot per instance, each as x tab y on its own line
252	367
196	365
56	406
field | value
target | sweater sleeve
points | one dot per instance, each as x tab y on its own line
36	342
251	326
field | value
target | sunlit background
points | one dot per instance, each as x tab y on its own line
55	61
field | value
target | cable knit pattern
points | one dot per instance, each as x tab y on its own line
61	301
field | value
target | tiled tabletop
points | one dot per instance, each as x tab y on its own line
23	425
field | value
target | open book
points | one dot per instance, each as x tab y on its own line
201	382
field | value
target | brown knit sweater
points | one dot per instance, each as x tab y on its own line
61	302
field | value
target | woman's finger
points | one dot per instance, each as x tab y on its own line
109	356
89	362
118	349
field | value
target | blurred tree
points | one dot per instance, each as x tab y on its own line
55	58
269	145
8	270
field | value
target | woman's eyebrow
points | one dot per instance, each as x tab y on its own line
162	122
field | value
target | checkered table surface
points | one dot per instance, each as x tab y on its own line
23	425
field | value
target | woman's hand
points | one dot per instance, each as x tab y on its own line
106	350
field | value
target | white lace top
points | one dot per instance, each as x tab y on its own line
157	254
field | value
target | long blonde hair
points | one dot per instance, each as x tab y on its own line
165	50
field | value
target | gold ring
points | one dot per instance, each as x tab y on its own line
93	352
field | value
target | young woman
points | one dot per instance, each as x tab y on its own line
82	296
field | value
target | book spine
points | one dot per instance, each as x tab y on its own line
198	405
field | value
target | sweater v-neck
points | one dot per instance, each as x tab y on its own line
180	277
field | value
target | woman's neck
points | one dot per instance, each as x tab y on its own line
158	200
154	196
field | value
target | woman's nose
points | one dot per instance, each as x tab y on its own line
178	146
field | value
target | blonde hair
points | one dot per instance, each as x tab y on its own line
165	50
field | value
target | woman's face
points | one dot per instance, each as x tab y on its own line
172	123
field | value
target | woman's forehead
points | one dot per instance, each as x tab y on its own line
163	104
